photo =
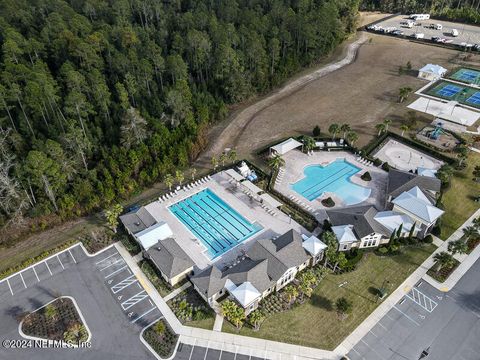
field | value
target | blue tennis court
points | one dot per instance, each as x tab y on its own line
467	75
213	222
449	90
474	99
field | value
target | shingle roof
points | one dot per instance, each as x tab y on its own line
138	220
361	217
253	271
169	258
415	202
400	181
209	281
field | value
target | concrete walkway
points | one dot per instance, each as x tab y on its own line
177	291
406	286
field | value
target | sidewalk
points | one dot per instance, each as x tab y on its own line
405	287
177	291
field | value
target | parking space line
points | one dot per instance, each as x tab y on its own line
145	313
371	332
416	296
408	317
21	276
382	325
221	351
356	351
48	267
75	261
123	284
60	261
115	272
206	351
108	257
33	268
135	299
8	282
106	267
193	347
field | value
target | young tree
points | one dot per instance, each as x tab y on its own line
223	158
291	292
330	240
308	143
476	173
443	260
316	131
112	215
462	153
232	156
276	162
193	173
344	307
345	128
404	93
179	176
444	174
333	130
470	232
168	181
233	313
387	122
340	261
214	162
381	128
458	247
76	333
404	128
256	318
352	137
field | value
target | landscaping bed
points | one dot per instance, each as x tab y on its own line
58	320
192	310
161	338
315	323
155	278
442	274
97	239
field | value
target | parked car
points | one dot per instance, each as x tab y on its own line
466	45
447	41
419	35
436	26
436	39
476	47
397	32
454	32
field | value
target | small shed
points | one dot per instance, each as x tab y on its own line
285	146
431	72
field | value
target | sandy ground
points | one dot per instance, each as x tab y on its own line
361	94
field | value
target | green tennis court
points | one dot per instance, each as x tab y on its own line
467	75
447	90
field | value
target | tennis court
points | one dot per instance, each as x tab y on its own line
463	94
469	76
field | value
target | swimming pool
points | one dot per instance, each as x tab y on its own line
334	178
213	222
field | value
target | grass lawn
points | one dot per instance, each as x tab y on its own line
458	199
316	324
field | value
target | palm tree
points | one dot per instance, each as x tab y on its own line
443	259
256	318
404	128
476	223
333	130
345	128
168	181
223	158
470	232
291	292
305	290
194	173
387	122
458	247
276	162
404	93
214	162
233	313
309	143
330	240
352	137
232	155
179	176
381	128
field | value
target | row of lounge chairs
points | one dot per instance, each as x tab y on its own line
268	210
190	186
281	173
364	161
302	204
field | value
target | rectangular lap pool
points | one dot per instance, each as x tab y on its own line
213	222
333	178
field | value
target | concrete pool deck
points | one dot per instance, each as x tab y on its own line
247	207
296	161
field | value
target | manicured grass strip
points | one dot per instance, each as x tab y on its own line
316	324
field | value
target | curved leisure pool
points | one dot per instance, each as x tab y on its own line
333	178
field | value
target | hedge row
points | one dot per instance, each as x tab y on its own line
35	259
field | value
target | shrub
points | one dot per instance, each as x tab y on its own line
383	250
366	176
385	166
316	131
428	239
377	162
328	202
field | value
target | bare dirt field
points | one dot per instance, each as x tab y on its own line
362	94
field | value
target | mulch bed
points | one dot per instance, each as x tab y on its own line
443	273
40	325
164	343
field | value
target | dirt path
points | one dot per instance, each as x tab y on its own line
231	135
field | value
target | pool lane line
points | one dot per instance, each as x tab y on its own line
219	215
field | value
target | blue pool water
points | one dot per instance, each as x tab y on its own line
213	222
334	178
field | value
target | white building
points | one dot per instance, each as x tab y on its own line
431	72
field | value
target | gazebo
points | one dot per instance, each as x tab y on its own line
285	146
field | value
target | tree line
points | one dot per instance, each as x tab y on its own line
456	10
99	98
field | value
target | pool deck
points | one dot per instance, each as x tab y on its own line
296	161
248	208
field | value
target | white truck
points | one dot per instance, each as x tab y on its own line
419	36
420	17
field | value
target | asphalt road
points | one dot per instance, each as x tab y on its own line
445	325
467	33
113	303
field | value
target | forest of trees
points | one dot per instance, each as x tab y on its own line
457	10
100	98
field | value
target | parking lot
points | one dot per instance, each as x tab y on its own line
468	34
203	352
443	325
113	302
